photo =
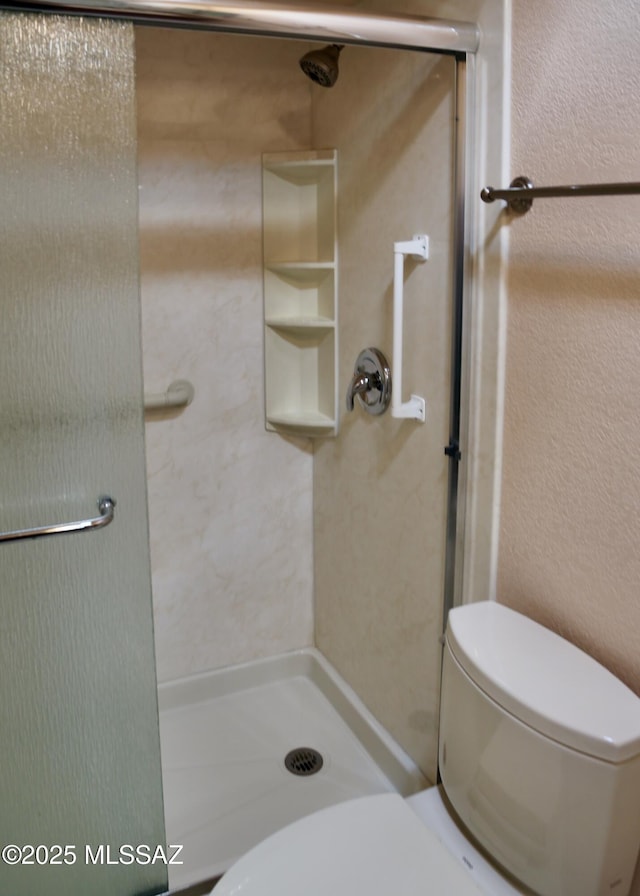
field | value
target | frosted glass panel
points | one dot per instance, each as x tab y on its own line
79	746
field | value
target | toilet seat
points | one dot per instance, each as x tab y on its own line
375	845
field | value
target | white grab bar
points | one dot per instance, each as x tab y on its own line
179	394
415	408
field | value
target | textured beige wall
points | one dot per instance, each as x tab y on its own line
230	505
571	484
570	520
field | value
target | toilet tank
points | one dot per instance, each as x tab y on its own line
539	753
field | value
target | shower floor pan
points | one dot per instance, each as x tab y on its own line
224	738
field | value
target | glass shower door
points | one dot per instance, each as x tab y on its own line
80	770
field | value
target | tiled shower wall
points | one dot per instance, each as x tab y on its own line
230	505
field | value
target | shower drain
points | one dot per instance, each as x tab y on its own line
303	761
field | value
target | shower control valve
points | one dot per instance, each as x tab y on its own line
371	382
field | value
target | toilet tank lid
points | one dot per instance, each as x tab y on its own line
545	681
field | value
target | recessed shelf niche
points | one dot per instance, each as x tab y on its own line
300	291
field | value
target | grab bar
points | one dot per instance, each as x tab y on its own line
106	506
178	395
415	408
520	194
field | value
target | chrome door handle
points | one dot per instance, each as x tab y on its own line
106	506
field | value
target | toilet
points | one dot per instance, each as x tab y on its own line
539	758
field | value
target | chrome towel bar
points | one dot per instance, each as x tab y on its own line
106	506
520	194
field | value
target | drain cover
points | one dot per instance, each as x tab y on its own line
303	761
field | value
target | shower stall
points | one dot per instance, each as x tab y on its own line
300	580
333	545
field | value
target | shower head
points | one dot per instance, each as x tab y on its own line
322	65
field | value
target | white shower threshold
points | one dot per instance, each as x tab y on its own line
224	737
